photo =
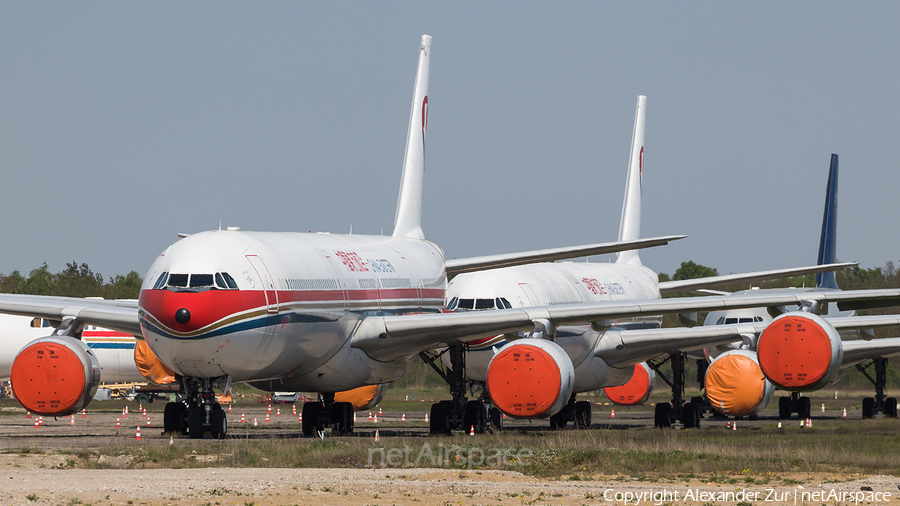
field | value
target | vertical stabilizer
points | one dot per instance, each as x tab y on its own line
408	220
630	226
828	240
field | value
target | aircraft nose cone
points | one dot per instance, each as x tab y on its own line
182	316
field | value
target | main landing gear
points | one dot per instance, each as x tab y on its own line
578	412
197	413
459	413
668	413
327	413
879	404
787	406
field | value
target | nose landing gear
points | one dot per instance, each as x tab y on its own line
197	412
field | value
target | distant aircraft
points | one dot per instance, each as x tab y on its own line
587	352
307	312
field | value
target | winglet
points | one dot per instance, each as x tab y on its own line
408	220
630	226
828	240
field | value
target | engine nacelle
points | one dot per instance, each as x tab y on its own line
637	390
735	384
530	378
800	351
55	376
362	398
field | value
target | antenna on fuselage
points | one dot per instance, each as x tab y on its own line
630	225
408	219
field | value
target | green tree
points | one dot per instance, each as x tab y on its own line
691	270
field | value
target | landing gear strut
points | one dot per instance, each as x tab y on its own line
326	412
668	413
197	412
578	412
457	413
787	406
879	404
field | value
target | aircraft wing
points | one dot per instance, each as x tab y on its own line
860	351
688	285
120	315
457	266
390	337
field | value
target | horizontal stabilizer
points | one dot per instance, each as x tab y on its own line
688	285
458	266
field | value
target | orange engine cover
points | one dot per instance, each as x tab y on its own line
800	351
55	376
530	378
362	398
149	365
637	390
735	385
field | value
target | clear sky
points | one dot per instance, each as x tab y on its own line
123	123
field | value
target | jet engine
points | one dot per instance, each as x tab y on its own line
735	384
637	390
55	376
530	378
800	351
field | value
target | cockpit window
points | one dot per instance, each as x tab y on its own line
746	320
201	280
720	321
161	281
452	304
484	304
178	280
466	304
503	303
729	321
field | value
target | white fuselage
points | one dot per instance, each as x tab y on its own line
279	308
114	350
549	284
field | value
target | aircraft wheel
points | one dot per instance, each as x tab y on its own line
173	418
890	407
438	422
558	421
784	408
311	412
690	415
195	423
475	416
868	407
496	417
342	419
218	423
698	401
583	415
661	415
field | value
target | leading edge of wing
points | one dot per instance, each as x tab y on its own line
687	285
120	315
391	337
460	265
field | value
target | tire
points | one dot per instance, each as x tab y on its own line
496	418
661	415
890	407
438	422
583	415
558	421
689	416
195	423
342	419
699	402
868	407
141	398
805	408
475	416
173	418
218	423
784	408
311	424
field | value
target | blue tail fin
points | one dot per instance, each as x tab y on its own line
828	241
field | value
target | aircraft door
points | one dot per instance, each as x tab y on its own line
530	296
268	283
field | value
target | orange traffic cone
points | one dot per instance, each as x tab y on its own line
734	425
403	418
376	419
148	421
28	414
267	418
377	437
354	417
243	418
141	407
126	410
845	412
229	408
728	425
294	410
117	424
370	416
809	423
71	419
83	413
270	408
137	435
472	430
426	416
278	413
254	423
300	418
36	424
612	414
379	411
41	421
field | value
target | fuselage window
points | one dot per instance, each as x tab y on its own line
161	281
466	303
201	280
178	280
484	304
452	304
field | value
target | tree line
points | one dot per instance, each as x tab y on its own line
73	281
